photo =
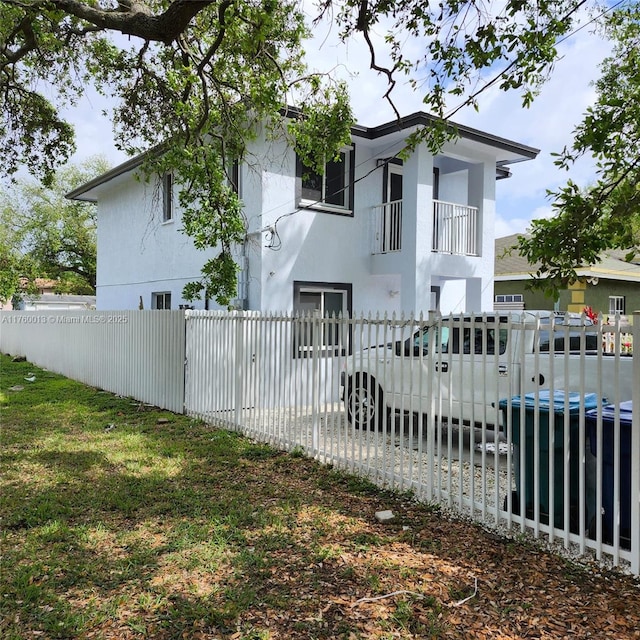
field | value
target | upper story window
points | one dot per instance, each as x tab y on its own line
167	197
331	191
232	170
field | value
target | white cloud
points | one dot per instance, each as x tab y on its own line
506	224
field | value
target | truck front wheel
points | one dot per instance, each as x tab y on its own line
364	403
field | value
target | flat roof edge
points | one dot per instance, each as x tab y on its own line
417	119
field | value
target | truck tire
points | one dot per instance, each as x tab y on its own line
364	403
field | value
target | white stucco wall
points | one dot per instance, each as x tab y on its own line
139	255
453	187
316	246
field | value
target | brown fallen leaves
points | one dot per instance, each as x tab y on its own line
331	572
306	559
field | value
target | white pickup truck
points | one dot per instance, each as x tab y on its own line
460	367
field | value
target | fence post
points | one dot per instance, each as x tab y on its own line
238	317
635	450
317	325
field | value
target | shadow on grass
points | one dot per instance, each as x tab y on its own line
147	529
177	530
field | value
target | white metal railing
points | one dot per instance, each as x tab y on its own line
486	414
455	229
387	227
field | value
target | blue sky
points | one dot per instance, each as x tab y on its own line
547	125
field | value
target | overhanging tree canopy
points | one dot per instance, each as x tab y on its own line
606	214
201	75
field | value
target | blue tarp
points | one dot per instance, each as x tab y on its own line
609	412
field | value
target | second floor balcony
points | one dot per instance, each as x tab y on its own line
455	228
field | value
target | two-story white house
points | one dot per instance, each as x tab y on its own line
372	234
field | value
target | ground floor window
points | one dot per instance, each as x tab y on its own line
616	306
329	301
161	300
509	297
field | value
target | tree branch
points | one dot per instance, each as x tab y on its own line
29	45
363	25
131	17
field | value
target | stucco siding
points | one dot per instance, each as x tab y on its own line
138	254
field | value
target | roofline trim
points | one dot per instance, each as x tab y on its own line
125	167
417	119
420	118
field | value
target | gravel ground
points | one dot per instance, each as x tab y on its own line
457	476
453	473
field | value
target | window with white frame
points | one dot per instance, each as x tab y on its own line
319	309
331	191
161	300
616	306
167	197
509	297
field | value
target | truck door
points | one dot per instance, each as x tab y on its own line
471	374
411	382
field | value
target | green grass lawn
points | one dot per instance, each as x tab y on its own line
122	521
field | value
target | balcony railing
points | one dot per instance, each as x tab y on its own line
387	227
455	229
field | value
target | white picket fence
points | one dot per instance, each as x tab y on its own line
516	466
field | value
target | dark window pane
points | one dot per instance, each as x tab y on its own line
335	182
591	341
167	197
309	302
311	185
395	184
333	303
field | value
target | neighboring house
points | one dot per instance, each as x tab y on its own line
58	302
372	234
610	287
45	297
